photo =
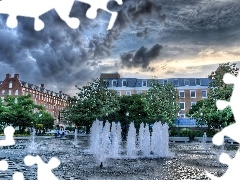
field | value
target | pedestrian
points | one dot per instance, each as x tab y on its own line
56	133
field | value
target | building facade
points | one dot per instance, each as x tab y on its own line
54	102
190	90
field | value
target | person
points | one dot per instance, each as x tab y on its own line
60	132
56	133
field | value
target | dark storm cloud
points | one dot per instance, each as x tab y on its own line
63	57
141	58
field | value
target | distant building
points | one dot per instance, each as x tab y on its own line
190	90
53	102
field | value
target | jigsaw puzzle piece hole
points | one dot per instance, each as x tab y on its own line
221	105
229	78
18	176
91	13
73	22
12	21
38	24
3	165
218	139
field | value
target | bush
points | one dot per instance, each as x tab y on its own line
185	132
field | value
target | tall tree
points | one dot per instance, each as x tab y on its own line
161	102
94	100
19	111
44	119
206	110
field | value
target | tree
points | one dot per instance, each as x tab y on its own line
131	110
94	100
206	110
18	111
161	103
43	120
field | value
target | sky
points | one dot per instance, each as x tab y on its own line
160	38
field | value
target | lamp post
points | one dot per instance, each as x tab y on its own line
201	114
178	125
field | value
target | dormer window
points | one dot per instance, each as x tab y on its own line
114	83
124	83
10	84
165	81
197	82
175	82
186	82
144	83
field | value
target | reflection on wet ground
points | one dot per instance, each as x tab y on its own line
189	161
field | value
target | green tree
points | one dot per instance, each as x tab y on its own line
131	110
94	100
43	120
205	111
161	103
19	111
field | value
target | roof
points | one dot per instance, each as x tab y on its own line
134	82
109	75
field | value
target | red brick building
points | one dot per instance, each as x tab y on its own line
53	102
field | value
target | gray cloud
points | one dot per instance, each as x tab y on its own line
141	58
63	57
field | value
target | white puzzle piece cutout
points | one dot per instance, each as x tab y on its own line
44	169
36	8
231	131
101	4
8	141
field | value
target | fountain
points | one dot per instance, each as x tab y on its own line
108	151
32	146
105	142
146	142
131	141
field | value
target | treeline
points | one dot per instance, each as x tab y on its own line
22	112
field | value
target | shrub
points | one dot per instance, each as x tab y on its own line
185	132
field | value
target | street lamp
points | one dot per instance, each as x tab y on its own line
201	114
178	125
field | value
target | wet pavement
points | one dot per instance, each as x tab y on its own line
188	161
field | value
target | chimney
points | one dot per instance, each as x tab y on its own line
42	85
8	76
16	76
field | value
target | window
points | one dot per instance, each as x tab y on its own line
10	84
139	92
186	82
181	94
192	93
10	92
192	103
204	93
128	93
124	83
16	92
15	100
175	82
165	81
182	105
144	83
2	98
3	92
119	93
114	83
197	82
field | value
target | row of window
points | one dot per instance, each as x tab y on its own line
9	92
144	82
182	105
192	93
128	93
